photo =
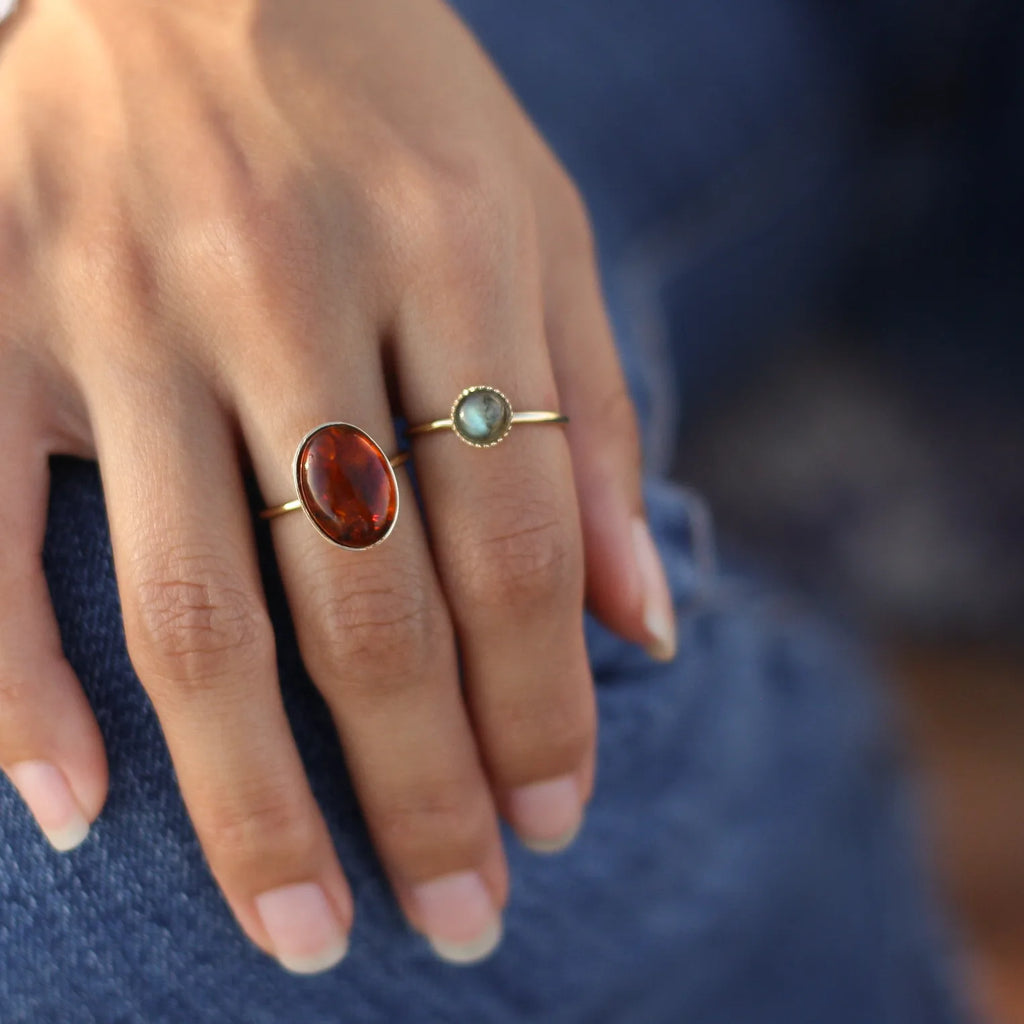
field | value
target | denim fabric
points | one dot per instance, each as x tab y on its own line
751	853
747	857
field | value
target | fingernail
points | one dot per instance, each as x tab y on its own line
303	930
458	917
547	815
43	787
659	615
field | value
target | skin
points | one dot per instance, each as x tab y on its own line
222	223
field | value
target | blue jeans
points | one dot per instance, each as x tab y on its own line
751	853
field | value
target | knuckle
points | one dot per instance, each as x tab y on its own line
196	620
570	223
108	260
460	215
410	208
247	235
261	244
258	232
528	559
369	624
14	691
480	225
272	829
371	634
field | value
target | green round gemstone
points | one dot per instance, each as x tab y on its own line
483	416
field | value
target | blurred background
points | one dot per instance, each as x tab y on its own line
873	452
816	208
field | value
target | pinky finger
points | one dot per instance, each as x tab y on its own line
50	744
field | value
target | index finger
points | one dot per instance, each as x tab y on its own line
200	638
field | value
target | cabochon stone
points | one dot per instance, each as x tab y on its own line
347	485
482	416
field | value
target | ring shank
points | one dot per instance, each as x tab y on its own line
279	510
517	417
537	416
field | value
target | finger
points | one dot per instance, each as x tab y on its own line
505	530
50	744
626	584
377	640
200	638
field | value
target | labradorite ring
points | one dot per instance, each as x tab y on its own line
482	417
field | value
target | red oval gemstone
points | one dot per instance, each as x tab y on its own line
347	485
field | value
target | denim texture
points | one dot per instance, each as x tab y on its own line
752	851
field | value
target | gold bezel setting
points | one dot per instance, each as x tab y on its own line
296	470
467	393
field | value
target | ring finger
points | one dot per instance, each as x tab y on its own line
505	530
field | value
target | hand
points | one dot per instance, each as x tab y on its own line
221	224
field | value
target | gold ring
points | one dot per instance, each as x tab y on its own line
482	416
346	485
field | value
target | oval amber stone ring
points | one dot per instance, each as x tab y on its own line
482	417
346	485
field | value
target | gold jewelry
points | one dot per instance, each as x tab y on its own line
482	417
346	485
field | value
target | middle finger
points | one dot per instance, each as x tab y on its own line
377	640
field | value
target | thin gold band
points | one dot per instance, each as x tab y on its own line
295	505
517	417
